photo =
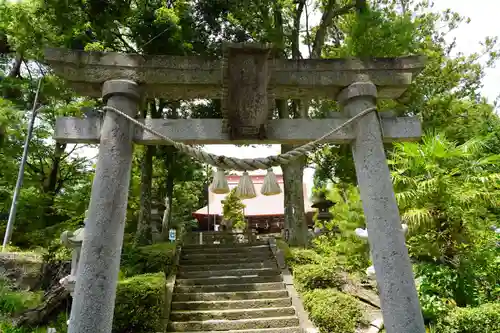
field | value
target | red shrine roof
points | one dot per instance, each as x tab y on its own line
261	205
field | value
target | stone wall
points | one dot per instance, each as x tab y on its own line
23	270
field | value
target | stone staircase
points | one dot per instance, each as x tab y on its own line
233	288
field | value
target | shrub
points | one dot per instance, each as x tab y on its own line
140	304
332	311
12	302
295	256
317	276
435	286
482	319
147	259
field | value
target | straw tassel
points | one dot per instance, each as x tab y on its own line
219	184
245	189
270	186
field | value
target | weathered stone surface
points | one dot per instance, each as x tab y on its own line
189	77
228	280
395	281
236	255
222	261
236	294
230	304
233	272
264	264
221	296
209	131
231	314
24	271
226	325
95	291
232	287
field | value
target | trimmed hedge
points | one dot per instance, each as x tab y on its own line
481	319
140	302
332	311
317	276
147	259
298	256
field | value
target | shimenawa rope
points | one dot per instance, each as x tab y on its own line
245	164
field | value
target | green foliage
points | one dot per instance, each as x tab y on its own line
447	194
350	252
317	276
13	302
296	256
148	259
232	210
139	304
435	285
482	319
332	311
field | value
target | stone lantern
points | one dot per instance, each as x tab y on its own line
323	205
73	240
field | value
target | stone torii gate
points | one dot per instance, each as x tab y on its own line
122	80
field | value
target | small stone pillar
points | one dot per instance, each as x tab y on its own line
395	280
74	241
95	289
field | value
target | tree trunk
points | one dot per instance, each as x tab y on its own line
295	217
55	301
170	156
143	234
52	185
15	71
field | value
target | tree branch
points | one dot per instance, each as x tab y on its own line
329	14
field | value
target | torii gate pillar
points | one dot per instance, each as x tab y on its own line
396	284
95	290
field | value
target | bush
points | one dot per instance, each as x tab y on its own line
317	276
148	259
482	319
140	304
295	256
12	302
332	311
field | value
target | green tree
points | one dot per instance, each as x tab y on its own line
448	194
232	210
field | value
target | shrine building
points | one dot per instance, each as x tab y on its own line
266	214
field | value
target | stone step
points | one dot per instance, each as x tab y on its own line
231	287
223	261
241	249
237	304
230	272
231	314
227	325
228	280
244	265
198	255
230	245
261	330
226	296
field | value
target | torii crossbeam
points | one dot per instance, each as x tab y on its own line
123	80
